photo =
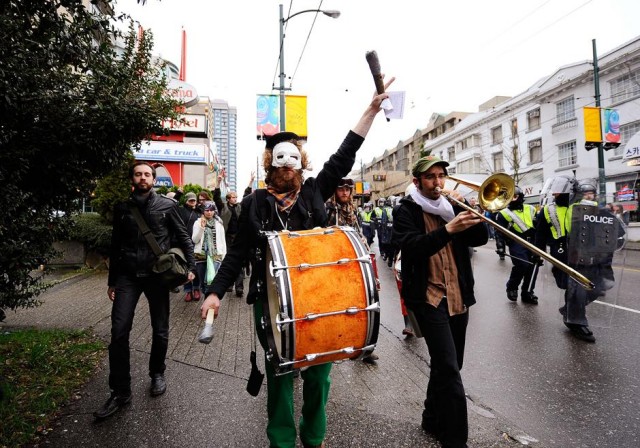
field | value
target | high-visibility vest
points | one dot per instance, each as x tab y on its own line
522	219
556	216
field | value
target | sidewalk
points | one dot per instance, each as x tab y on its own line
206	404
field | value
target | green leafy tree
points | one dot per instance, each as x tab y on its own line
72	106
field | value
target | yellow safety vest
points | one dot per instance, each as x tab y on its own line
526	216
558	229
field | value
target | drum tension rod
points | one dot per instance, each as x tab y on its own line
273	267
282	319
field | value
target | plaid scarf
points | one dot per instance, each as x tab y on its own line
284	200
342	214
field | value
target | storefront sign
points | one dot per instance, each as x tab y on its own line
632	148
187	123
171	152
183	92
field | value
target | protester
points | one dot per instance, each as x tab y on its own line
230	213
341	211
130	275
289	203
520	218
437	285
210	245
190	213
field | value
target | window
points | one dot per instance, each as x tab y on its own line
626	132
567	154
533	119
472	165
625	87
451	153
514	128
469	142
498	162
565	110
496	135
535	151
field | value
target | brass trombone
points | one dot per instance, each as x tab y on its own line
494	194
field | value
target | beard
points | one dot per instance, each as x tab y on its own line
281	182
142	189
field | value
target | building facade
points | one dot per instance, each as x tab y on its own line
223	131
537	134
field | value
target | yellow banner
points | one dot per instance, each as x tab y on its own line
592	125
296	114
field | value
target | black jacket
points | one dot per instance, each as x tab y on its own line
130	252
259	214
410	236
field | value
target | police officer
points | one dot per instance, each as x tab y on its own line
519	218
368	229
570	226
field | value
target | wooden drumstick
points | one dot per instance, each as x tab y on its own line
206	335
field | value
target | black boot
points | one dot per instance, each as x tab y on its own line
529	297
113	405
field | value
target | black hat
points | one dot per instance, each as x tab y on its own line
280	137
346	182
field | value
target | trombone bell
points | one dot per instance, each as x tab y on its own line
496	192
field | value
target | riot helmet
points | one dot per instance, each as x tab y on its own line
587	190
559	189
381	202
518	201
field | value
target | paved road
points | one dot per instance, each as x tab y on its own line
206	404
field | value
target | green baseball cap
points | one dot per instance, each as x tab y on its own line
426	162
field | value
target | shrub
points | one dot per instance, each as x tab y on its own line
93	231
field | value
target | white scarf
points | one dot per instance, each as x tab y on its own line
440	206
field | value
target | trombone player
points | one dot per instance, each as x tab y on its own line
434	237
520	218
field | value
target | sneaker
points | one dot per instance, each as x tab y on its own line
582	332
196	295
188	297
512	295
239	292
113	405
158	385
528	297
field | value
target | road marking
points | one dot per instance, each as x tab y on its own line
618	306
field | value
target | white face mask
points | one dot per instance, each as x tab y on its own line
286	154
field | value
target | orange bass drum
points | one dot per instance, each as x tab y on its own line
323	303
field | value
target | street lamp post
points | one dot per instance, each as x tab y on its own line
331	13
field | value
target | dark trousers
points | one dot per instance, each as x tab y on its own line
520	272
128	291
239	283
445	408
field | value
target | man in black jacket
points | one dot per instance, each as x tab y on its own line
289	203
130	275
437	285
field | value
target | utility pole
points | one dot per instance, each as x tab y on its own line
362	182
596	82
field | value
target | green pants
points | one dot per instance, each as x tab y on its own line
281	429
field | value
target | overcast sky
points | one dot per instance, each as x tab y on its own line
446	56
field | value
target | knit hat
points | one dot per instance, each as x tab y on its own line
191	196
210	206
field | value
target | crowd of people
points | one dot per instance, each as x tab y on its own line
426	236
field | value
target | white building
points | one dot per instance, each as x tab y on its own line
540	132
